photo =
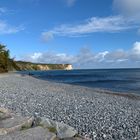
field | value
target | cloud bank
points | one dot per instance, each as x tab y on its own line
88	59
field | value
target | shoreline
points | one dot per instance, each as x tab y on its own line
130	95
91	111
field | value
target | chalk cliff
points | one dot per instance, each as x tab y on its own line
68	67
21	65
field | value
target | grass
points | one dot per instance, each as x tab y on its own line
25	128
52	129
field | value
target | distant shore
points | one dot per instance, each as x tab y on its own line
97	113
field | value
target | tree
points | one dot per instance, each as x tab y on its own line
4	58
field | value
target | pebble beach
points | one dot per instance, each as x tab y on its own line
98	114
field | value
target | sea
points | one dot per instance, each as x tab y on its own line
117	80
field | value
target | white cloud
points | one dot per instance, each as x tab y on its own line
8	29
116	55
29	1
138	31
128	18
135	52
49	57
36	56
87	59
95	24
109	24
3	10
70	2
101	56
128	7
136	48
47	36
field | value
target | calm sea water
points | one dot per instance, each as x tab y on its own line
120	80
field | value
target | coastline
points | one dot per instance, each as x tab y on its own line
90	111
130	95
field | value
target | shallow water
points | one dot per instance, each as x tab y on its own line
120	80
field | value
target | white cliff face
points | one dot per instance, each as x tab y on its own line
43	67
69	67
46	67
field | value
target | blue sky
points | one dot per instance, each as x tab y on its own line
85	33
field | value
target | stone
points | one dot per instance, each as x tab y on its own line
4	113
15	123
37	133
14	127
74	138
62	130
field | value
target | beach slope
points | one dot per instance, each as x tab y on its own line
96	113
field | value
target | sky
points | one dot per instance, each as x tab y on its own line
84	33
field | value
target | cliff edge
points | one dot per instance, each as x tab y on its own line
21	65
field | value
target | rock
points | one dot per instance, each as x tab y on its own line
14	123
14	127
74	138
4	113
37	133
62	130
50	136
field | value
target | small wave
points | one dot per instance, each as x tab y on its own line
102	81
